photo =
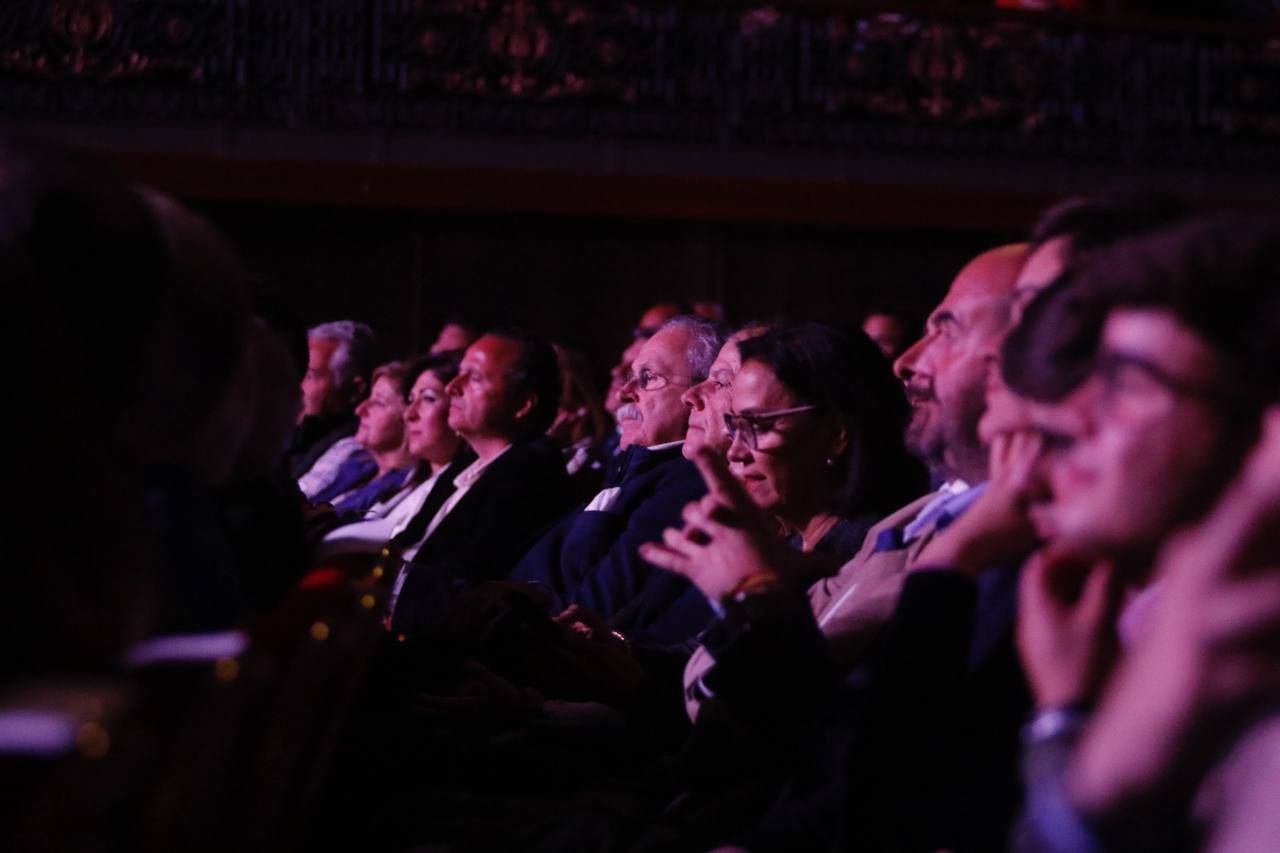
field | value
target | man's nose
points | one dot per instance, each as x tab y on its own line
693	397
908	363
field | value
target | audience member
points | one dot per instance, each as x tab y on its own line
1092	588
501	402
1179	328
340	356
650	321
378	476
944	375
440	455
708	400
590	558
457	333
887	331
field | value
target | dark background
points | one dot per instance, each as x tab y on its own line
581	280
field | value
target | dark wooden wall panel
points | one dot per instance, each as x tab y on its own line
580	280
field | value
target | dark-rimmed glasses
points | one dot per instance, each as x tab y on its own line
750	425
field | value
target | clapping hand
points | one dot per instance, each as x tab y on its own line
726	538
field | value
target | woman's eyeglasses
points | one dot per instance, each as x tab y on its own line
750	426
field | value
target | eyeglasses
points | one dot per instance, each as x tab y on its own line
647	380
1124	375
750	426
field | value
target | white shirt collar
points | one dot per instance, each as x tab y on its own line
468	476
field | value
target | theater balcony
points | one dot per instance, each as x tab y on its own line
945	115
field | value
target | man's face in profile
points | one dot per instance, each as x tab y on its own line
1148	443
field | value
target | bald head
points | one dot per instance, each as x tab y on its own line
992	274
945	371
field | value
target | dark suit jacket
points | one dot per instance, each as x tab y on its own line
519	495
590	558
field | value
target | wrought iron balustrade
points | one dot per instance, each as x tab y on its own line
941	79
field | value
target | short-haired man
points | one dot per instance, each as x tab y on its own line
502	401
340	356
708	401
945	375
649	323
589	558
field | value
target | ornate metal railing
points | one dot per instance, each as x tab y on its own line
848	76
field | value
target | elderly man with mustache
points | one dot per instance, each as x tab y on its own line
589	561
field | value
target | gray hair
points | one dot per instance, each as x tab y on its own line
708	337
356	352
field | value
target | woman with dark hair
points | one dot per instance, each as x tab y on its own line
817	420
438	450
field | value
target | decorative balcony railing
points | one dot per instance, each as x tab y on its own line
937	79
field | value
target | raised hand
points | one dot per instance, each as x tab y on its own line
1066	626
1208	658
997	528
726	538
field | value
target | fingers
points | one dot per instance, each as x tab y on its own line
568	615
699	518
720	483
998	453
1032	596
1017	455
1100	594
582	619
666	558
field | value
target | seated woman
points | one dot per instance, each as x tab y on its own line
816	423
376	479
437	450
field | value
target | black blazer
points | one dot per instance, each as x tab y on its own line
519	496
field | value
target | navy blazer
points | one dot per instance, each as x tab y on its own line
590	558
518	496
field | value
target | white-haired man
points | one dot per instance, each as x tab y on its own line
339	357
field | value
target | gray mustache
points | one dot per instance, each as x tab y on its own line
629	411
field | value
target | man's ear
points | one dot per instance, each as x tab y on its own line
527	407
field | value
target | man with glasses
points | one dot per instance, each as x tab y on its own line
589	559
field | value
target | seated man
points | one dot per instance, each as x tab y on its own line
590	558
340	357
501	403
650	321
1183	328
1169	402
945	373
